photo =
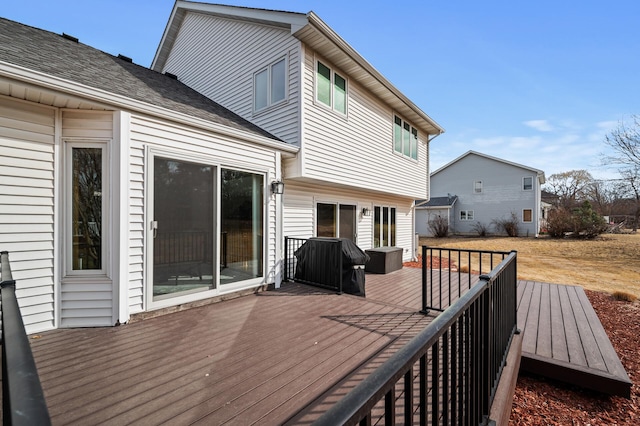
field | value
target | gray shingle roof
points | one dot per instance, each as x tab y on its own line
437	202
55	55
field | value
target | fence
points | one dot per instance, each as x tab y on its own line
449	372
447	273
23	400
302	264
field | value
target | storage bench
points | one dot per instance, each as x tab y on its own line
383	260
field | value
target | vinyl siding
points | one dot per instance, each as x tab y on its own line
357	149
300	210
221	151
501	194
88	301
27	207
218	58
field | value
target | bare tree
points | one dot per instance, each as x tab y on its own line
624	153
571	187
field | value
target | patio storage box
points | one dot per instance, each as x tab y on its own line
318	262
383	260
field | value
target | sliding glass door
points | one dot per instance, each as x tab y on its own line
183	228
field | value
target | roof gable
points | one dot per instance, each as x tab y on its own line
538	172
311	30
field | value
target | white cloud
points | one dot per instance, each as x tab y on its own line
539	125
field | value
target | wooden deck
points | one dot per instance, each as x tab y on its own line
564	339
267	358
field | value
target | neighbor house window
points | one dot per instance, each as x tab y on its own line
405	138
477	186
527	215
527	183
384	226
269	85
466	215
331	88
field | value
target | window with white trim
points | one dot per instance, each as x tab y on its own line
527	215
269	85
527	183
87	181
466	214
331	88
384	226
477	186
405	138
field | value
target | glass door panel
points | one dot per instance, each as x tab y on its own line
183	244
242	225
347	222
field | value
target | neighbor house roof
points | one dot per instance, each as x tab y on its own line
29	54
437	202
316	34
538	172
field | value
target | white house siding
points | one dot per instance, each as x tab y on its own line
170	137
357	150
88	301
300	210
218	57
501	194
27	147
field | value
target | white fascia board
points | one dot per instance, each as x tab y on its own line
328	32
56	84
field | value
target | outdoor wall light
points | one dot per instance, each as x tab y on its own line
277	187
366	211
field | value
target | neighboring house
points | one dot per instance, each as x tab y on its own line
436	207
123	190
363	144
490	189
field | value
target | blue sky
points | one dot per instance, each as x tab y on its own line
537	83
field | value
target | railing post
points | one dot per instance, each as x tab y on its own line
286	259
23	400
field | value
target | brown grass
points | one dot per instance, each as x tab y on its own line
609	263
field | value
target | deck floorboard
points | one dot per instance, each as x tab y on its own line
282	355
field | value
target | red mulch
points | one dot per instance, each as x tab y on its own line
538	401
433	262
542	402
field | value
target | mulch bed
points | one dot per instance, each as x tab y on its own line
538	401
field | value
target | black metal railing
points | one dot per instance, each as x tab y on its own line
447	273
303	264
23	400
449	372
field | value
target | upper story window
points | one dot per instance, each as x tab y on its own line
527	183
405	138
269	85
477	186
331	88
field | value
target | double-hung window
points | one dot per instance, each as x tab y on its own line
269	85
477	186
527	183
331	88
405	138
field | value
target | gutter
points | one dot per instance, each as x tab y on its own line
58	85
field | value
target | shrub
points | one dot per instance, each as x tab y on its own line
587	222
623	296
559	223
439	227
508	226
481	229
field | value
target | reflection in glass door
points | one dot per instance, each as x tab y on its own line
347	222
183	226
